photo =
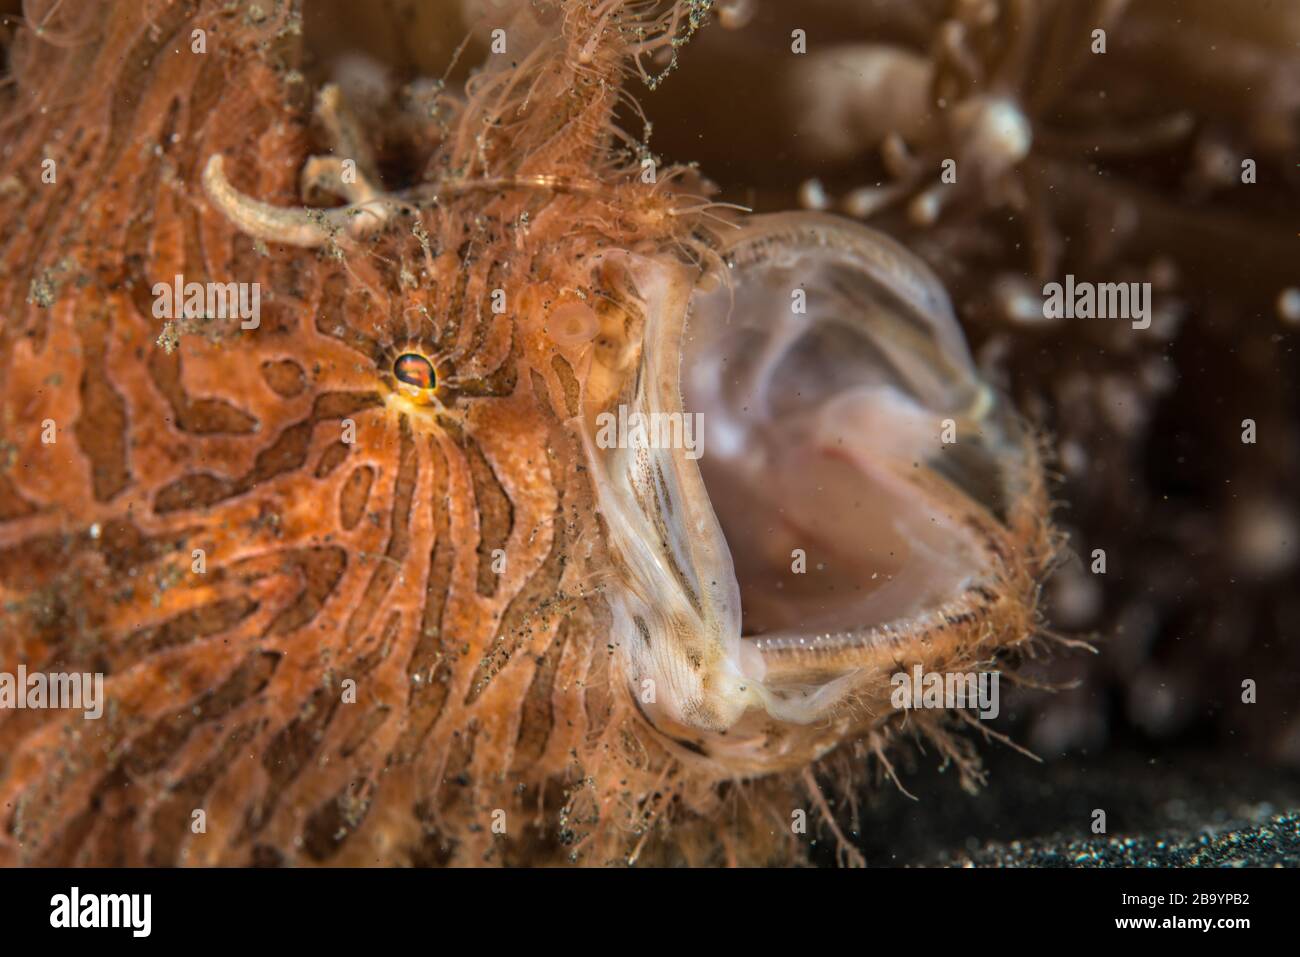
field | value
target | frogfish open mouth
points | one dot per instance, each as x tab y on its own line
856	496
545	511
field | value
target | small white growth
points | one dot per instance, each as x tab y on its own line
735	14
812	195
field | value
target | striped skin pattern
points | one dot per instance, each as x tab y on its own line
397	642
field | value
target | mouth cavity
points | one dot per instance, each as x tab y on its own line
848	486
848	437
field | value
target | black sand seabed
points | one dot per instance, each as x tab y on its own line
1189	809
1273	843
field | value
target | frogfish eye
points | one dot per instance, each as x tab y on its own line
416	374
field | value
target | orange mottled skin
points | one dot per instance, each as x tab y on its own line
326	562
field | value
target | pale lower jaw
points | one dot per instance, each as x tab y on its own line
855	488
